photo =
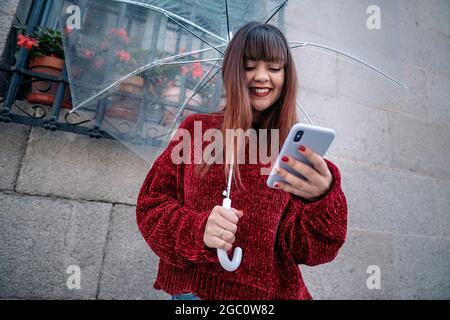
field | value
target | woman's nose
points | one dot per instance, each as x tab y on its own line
262	76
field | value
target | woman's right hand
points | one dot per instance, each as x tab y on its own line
221	228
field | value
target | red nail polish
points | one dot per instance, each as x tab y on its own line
302	148
276	185
285	159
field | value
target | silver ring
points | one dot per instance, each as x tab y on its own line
221	233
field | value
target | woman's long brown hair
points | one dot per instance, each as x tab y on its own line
256	41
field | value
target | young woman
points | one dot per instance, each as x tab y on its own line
179	210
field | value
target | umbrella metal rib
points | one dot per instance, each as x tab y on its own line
172	15
298	44
228	21
276	11
195	35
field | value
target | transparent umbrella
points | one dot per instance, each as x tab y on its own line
138	68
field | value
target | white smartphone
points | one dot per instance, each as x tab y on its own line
318	139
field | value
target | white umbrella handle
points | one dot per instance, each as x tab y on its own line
222	254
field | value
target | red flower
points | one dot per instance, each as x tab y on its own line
121	32
197	70
32	42
68	30
26	42
88	53
123	55
22	40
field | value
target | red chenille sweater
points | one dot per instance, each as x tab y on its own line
277	232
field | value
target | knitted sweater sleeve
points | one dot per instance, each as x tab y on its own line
173	232
314	232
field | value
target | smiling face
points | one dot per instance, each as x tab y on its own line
265	81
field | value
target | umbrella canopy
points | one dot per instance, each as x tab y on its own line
137	68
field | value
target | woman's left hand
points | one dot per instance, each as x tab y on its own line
318	177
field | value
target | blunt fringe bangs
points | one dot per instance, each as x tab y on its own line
264	42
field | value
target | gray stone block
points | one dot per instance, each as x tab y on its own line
419	146
361	132
14	137
364	86
41	237
423	267
6	18
444	205
430	15
347	276
130	266
343	28
414	101
383	199
316	70
76	166
438	87
423	46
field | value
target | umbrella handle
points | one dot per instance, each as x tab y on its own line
222	254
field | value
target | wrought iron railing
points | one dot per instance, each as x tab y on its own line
19	77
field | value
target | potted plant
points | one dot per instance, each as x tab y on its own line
113	54
47	57
126	101
128	61
192	74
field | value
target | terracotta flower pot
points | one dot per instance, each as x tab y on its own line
126	107
132	85
173	94
51	66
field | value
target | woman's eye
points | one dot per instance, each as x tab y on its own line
275	69
249	68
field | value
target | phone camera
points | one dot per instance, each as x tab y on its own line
298	136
